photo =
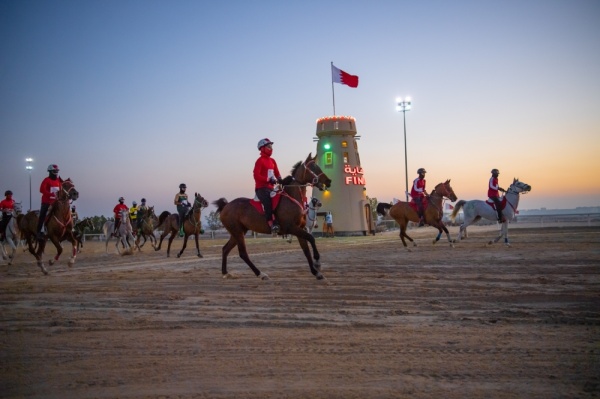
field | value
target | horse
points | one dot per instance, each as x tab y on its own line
403	212
148	224
125	232
59	227
12	235
311	218
239	216
476	209
312	207
79	230
192	225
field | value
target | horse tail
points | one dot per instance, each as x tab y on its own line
457	208
220	204
382	208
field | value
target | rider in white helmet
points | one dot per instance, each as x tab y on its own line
418	192
494	195
49	189
266	175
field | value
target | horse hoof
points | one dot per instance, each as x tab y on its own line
434	241
179	255
263	276
41	265
229	275
200	256
319	276
51	262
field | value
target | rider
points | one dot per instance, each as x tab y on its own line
493	194
74	214
266	175
418	192
133	214
117	211
49	188
141	212
7	206
183	205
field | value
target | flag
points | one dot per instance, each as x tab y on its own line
339	76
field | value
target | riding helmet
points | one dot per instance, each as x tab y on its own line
263	143
421	170
182	185
73	207
121	199
134	203
143	200
495	171
8	192
53	168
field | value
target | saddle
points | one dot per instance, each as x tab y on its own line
255	202
493	205
415	207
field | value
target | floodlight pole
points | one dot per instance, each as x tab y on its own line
29	167
404	106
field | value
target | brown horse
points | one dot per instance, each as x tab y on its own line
148	224
59	226
239	216
402	212
192	225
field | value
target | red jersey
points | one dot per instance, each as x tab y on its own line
493	187
118	208
7	205
418	188
265	168
49	189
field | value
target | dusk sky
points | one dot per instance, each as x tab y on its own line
132	98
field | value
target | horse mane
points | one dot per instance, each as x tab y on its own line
163	216
287	180
295	167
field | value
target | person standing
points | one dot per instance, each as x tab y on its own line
329	224
120	207
7	206
418	193
266	175
49	189
183	205
494	195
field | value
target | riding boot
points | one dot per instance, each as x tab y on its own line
501	218
421	219
181	233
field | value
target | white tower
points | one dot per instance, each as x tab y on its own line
337	155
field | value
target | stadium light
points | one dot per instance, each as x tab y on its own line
403	106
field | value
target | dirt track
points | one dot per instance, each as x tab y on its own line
473	321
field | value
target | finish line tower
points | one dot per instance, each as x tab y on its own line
346	199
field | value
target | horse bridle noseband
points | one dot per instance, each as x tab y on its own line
315	176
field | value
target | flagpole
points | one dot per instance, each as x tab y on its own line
332	89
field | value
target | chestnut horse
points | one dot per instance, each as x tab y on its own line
59	226
192	225
239	216
402	212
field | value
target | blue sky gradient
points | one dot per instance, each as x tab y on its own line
131	98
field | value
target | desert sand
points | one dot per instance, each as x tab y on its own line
471	321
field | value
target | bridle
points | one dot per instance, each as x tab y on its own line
316	177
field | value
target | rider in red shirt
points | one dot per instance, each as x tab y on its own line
494	195
117	210
49	188
7	206
266	175
418	192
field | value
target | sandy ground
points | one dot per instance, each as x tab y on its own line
438	322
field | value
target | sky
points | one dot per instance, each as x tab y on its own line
132	98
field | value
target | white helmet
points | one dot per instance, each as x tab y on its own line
263	143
